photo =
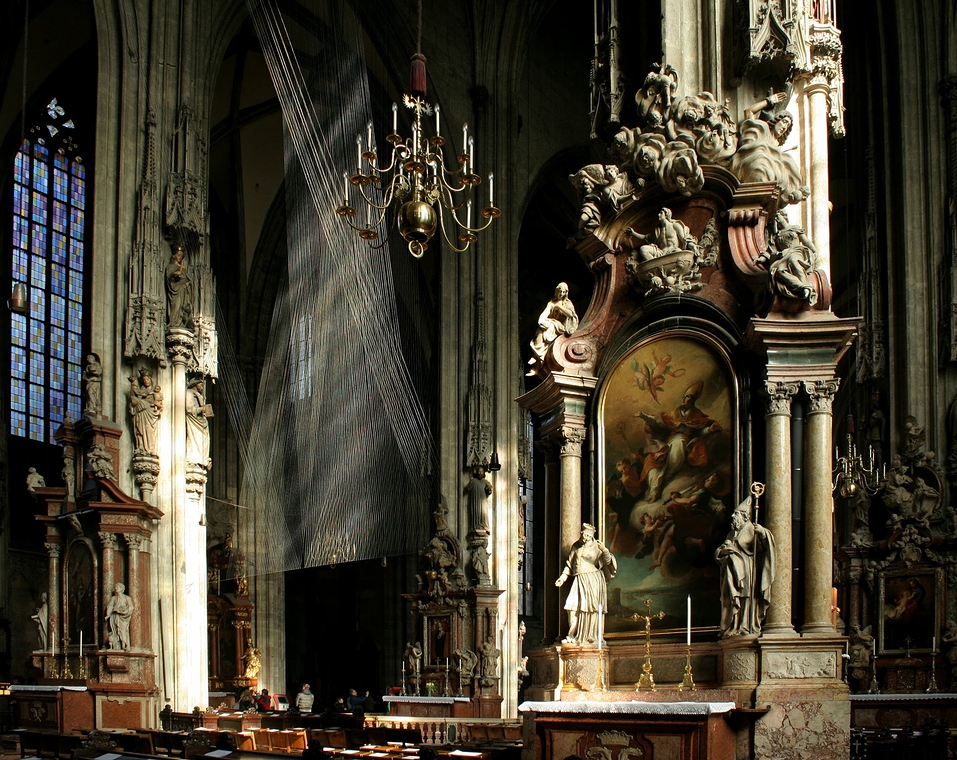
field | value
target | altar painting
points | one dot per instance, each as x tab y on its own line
667	422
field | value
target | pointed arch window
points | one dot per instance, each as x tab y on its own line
49	233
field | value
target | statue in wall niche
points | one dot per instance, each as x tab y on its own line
42	619
92	386
558	318
790	258
146	408
590	566
179	291
746	559
198	413
119	612
35	480
477	493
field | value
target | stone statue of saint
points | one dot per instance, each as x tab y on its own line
413	659
477	492
558	318
93	381
146	407
670	235
861	643
198	413
590	565
490	654
101	462
119	612
179	291
467	662
747	571
35	480
42	618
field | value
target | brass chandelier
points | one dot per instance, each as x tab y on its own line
417	180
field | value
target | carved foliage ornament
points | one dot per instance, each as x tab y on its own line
779	396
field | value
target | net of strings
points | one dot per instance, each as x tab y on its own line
338	450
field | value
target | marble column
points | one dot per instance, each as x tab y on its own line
108	574
778	500
134	588
571	498
818	509
817	93
53	595
548	447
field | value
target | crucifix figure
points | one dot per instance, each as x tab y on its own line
907	642
647	680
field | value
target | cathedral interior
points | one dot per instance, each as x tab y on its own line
588	365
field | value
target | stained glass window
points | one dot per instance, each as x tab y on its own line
46	343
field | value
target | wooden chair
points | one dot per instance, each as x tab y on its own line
337	738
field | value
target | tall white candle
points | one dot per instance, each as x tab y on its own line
689	620
53	643
359	152
933	647
81	643
438	126
465	136
395	119
601	626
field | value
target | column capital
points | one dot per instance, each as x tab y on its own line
133	540
779	395
53	549
571	439
179	345
108	539
821	394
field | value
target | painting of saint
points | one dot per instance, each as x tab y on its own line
909	620
667	421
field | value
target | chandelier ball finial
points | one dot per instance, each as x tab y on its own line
417	221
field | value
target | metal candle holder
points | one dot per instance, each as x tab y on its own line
599	684
932	686
647	679
688	681
873	688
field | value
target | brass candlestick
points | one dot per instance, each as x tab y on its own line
599	684
67	673
81	666
932	687
873	689
688	681
647	679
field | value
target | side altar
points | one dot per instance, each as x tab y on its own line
665	418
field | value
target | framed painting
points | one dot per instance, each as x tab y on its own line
910	610
667	422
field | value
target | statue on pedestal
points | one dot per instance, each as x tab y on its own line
42	618
591	566
35	480
490	655
146	406
119	612
179	291
478	492
558	318
93	377
198	413
747	571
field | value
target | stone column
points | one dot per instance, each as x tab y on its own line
133	541
548	447
818	509
778	512
571	499
108	574
53	594
817	93
179	343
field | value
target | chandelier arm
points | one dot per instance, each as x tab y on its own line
448	241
